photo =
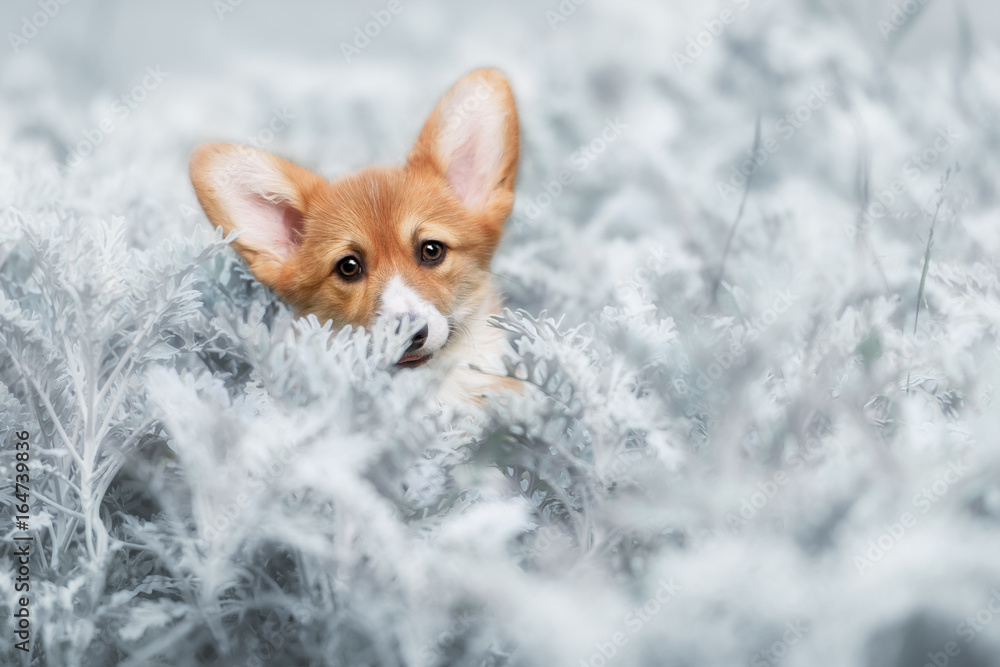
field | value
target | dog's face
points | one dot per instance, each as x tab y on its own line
409	244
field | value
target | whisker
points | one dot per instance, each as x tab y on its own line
509	280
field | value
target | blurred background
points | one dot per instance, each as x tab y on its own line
897	72
686	85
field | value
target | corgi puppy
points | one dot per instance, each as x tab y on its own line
409	245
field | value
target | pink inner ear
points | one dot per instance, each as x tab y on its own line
293	221
467	174
471	143
273	226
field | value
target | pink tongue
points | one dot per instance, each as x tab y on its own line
406	360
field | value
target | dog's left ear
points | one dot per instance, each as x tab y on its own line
471	139
264	197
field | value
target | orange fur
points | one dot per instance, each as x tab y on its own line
455	188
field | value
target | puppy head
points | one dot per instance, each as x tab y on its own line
411	244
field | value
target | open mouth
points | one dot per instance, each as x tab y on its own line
413	361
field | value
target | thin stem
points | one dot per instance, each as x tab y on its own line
61	508
927	258
43	397
739	216
927	261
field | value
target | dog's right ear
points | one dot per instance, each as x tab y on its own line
471	140
264	197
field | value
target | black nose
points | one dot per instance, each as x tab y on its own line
418	341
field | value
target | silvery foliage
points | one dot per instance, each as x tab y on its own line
211	470
709	459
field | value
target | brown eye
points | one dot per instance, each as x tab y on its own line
349	268
432	252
